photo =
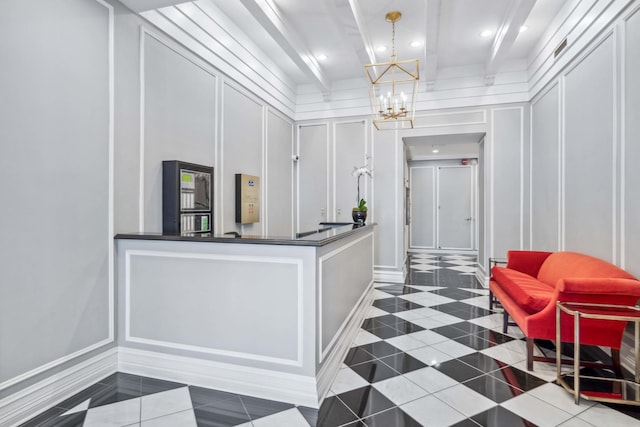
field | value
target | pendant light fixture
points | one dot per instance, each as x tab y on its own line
394	87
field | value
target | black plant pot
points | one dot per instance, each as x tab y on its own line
359	216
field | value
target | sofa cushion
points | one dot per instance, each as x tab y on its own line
528	292
562	265
528	262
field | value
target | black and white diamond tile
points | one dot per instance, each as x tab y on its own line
429	353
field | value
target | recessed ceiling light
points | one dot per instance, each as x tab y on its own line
415	43
486	33
321	57
523	28
381	48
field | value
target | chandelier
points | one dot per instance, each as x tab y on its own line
394	86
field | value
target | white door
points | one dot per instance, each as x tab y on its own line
455	217
312	177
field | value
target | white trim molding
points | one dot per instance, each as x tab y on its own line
129	337
37	398
269	384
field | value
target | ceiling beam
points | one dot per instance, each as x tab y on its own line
144	5
506	35
431	44
270	18
348	13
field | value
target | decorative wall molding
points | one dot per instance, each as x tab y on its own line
384	276
284	387
110	227
34	399
340	333
129	337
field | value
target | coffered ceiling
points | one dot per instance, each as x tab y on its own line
295	34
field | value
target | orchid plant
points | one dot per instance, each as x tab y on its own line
361	204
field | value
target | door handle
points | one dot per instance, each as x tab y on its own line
468	219
322	212
339	211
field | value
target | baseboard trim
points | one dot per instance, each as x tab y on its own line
37	398
267	384
389	276
334	358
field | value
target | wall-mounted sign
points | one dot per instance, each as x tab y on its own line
247	198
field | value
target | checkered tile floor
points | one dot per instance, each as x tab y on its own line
430	353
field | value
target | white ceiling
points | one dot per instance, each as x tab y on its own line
292	33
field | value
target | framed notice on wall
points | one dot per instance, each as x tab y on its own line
247	198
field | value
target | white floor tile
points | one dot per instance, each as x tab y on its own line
424	267
116	414
430	355
418	313
460	262
545	371
575	422
423	261
429	299
603	416
447	319
481	301
431	411
365	337
428	323
165	403
511	352
400	390
289	418
465	400
347	380
428	337
430	379
560	398
536	411
406	342
378	294
182	419
454	348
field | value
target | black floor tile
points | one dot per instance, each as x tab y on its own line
85	394
500	417
386	332
380	349
152	385
357	355
493	388
333	412
309	414
468	423
391	320
365	401
203	396
474	342
403	363
454	293
46	419
450	331
458	370
482	362
258	408
518	378
118	387
470	328
223	413
395	417
494	337
374	371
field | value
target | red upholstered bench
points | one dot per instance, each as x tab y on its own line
532	282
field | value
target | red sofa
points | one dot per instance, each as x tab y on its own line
531	283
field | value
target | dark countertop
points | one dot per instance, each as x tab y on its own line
325	234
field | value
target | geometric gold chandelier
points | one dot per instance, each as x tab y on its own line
394	87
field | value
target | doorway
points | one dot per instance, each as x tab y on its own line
443	195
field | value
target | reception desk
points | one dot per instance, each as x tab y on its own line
267	316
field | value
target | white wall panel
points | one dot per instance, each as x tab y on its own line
349	152
506	209
545	172
178	120
588	154
241	152
56	128
313	175
279	175
631	146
